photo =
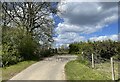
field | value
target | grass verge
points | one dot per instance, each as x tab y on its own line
77	71
9	72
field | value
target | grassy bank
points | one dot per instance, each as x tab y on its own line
9	72
77	71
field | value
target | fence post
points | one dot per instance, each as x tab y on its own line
82	56
82	52
93	65
112	68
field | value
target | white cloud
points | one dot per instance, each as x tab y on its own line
84	18
90	0
101	38
87	17
67	38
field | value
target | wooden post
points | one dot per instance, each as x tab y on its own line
112	68
82	56
93	65
82	52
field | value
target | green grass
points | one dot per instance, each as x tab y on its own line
105	68
9	72
76	71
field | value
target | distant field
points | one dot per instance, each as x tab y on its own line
76	71
9	72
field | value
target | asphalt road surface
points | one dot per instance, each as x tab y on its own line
51	68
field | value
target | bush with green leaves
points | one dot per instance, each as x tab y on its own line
102	50
27	47
17	46
10	53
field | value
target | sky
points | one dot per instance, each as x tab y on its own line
82	21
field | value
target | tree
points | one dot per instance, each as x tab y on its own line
24	25
34	17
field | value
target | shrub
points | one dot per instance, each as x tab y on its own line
17	46
10	54
101	50
27	47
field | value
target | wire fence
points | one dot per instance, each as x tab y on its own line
107	66
110	67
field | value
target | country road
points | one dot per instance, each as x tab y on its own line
51	68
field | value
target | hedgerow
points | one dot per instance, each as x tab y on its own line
102	50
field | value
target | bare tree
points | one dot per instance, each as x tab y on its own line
34	17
